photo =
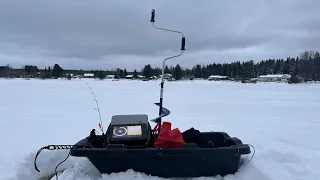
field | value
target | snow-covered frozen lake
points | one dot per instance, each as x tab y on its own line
281	121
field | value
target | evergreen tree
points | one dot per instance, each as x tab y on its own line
125	72
45	74
135	74
49	72
147	71
166	70
317	66
57	71
197	71
177	72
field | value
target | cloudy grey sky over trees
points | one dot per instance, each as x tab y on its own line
105	34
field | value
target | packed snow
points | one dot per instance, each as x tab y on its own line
280	120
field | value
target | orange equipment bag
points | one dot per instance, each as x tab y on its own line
168	138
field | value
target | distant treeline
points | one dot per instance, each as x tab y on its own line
305	67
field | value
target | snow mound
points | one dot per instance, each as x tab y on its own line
82	169
295	162
46	163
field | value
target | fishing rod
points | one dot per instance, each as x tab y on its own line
97	108
183	43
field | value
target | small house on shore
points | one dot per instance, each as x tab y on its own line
88	75
274	78
217	78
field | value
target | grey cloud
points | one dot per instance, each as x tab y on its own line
81	34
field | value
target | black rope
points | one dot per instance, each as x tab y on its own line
55	170
254	151
238	150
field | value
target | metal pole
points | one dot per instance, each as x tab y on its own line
164	61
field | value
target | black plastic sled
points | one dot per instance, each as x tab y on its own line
128	144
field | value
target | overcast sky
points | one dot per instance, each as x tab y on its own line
106	34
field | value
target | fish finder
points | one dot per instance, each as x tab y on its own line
129	129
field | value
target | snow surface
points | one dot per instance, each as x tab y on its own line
280	120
